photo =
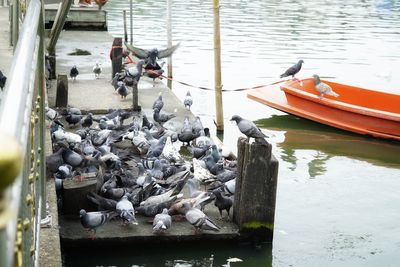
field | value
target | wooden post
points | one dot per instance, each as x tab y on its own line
116	56
62	91
217	65
131	19
74	195
125	29
135	97
255	192
169	44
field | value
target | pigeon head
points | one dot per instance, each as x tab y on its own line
236	118
301	61
317	80
82	213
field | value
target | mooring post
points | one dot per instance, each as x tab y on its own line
255	192
125	29
217	70
169	41
116	56
135	97
62	91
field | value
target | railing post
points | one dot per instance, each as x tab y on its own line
55	33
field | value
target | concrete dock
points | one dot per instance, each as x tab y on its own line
97	96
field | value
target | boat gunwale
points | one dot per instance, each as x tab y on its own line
340	104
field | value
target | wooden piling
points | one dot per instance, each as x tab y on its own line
217	68
62	91
74	195
135	98
116	56
255	192
125	28
169	42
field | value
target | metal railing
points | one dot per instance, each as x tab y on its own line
22	159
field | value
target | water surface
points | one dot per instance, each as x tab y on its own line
337	200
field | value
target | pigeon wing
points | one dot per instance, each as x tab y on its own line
168	51
139	52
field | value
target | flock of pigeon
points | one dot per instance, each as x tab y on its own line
139	168
137	162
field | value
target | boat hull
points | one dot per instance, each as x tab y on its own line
329	111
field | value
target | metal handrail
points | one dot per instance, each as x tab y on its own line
16	119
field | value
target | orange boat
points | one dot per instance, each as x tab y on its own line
356	109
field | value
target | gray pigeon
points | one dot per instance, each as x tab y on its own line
323	88
122	90
73	73
102	203
158	103
3	80
162	118
73	119
93	220
293	70
162	221
125	210
151	56
97	70
133	74
188	101
155	73
249	129
199	219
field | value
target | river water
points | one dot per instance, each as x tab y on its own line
338	198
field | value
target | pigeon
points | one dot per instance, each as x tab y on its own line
162	221
73	111
222	202
293	70
102	202
122	90
323	88
93	220
133	74
125	210
155	73
249	129
158	103
151	56
199	219
162	118
3	80
73	73
87	121
51	114
188	101
97	70
73	119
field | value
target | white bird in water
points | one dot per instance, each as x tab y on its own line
323	88
97	70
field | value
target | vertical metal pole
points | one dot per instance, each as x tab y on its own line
15	23
217	66
41	93
169	37
125	30
131	18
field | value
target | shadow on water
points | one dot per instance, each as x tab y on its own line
178	255
328	141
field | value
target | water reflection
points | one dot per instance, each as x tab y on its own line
305	134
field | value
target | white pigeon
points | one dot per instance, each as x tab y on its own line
162	221
170	152
188	101
97	70
323	88
125	210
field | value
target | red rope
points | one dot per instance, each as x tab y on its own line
130	60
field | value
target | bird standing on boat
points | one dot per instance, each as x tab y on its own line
73	73
293	70
97	70
323	88
3	80
249	129
151	56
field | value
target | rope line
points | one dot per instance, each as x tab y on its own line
206	88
